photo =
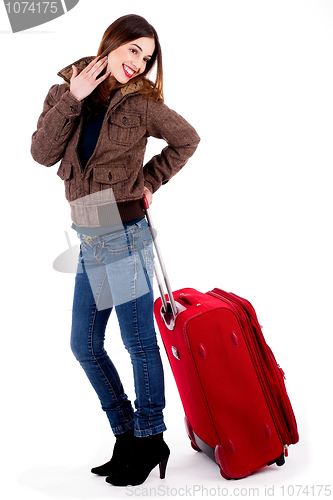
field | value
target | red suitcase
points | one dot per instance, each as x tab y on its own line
236	406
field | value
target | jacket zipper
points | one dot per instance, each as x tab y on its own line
77	149
107	115
276	413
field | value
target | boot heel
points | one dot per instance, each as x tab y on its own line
163	465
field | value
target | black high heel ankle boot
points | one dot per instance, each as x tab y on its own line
122	453
148	453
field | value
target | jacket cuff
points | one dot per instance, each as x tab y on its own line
69	106
149	186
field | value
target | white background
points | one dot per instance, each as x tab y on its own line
250	213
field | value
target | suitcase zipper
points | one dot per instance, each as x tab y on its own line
246	324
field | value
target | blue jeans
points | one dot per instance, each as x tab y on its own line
116	271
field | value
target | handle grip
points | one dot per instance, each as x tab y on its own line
189	298
145	202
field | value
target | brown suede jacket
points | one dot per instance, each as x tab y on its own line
115	171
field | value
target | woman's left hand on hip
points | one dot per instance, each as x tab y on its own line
149	195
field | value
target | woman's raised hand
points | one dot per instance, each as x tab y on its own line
82	84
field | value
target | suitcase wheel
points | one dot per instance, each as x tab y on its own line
190	434
194	446
280	461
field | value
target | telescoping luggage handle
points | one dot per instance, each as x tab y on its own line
168	307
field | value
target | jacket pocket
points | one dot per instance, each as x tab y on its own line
65	170
65	173
113	177
124	128
110	175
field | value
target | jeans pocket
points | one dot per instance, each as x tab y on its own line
149	257
116	243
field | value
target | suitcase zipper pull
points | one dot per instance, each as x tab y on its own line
282	372
285	450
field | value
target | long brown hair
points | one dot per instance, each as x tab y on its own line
125	30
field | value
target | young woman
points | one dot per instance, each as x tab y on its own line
97	122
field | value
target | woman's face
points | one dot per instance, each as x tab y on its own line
130	60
